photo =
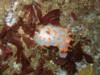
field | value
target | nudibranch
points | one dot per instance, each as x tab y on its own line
51	35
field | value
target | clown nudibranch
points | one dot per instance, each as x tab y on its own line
50	35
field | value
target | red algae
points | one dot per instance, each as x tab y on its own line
39	40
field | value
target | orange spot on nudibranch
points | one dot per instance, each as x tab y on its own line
62	35
48	32
49	39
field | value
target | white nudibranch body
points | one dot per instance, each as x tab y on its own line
53	36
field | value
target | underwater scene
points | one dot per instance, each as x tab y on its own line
49	37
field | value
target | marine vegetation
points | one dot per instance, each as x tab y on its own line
49	37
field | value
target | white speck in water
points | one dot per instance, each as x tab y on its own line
61	72
80	65
0	52
16	66
10	18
